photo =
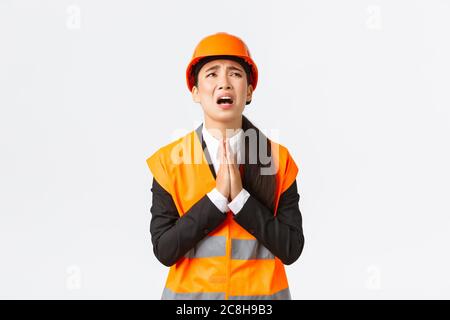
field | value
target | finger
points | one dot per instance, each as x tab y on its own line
224	157
220	151
230	153
224	147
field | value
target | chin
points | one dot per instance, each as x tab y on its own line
227	115
214	113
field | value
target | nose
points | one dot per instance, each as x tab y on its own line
224	82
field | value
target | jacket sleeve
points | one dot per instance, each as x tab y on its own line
172	235
281	234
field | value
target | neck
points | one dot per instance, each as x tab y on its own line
220	129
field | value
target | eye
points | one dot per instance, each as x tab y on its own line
237	74
212	73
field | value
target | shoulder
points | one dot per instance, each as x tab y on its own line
281	154
285	164
161	161
165	152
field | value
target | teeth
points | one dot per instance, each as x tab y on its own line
224	99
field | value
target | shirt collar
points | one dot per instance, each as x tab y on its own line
212	143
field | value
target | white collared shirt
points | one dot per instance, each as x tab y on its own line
236	145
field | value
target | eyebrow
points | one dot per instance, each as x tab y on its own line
229	68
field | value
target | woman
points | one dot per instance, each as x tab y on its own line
225	213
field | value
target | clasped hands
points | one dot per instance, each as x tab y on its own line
228	178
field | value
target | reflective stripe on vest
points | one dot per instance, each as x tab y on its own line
210	246
170	295
241	249
284	294
247	249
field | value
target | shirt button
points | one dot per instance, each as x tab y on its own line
205	231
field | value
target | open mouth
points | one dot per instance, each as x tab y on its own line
225	100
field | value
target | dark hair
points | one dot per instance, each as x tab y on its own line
203	61
262	187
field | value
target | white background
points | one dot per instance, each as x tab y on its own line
358	91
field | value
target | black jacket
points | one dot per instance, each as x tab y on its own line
173	236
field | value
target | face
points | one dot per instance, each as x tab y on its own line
222	90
